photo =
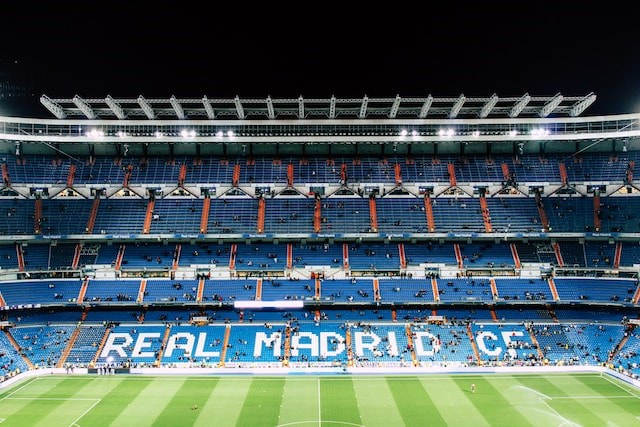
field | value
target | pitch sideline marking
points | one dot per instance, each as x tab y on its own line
75	422
19	388
621	387
319	407
322	421
53	398
566	420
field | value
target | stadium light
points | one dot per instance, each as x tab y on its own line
424	110
403	132
513	133
95	133
219	134
230	134
414	133
121	134
301	107
451	132
84	107
187	134
475	133
158	134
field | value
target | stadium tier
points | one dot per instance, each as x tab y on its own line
498	238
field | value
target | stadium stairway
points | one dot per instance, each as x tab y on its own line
92	215
428	209
617	256
403	258
141	291
597	223
176	257
456	249
17	347
494	289
558	252
76	256
345	256
636	295
165	339
200	291
318	290
620	345
541	212
534	340
486	217
225	345
289	265
373	215
261	213
3	303
452	174
103	341
69	346
20	256
5	175
554	290
347	339
232	256
516	257
148	217
476	353
37	226
259	290
317	217
287	345
83	290
204	218
119	257
409	333
397	169
376	289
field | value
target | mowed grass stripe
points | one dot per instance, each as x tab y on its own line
37	410
338	401
262	404
224	405
620	411
180	410
376	403
33	387
299	401
149	403
114	402
452	403
414	404
68	411
570	409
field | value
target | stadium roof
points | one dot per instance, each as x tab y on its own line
331	108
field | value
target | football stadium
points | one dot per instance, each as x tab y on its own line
332	261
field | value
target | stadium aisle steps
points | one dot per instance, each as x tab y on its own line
541	212
394	315
376	289
101	346
200	290
2	301
318	290
494	289
554	290
516	257
259	290
261	211
17	347
486	217
67	349
71	175
20	256
76	256
558	252
494	316
236	175
373	215
617	256
403	258
317	216
347	340
563	174
636	295
225	345
127	176
119	257
232	256
456	249
182	175
409	334
148	217
83	290
597	224
5	175
165	339
534	340
428	209
290	175
176	257
37	226
436	291
345	256
619	346
287	345
143	287
452	174
204	219
476	353
92	215
289	256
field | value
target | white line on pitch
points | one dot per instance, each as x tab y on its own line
75	422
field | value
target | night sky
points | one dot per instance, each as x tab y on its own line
319	49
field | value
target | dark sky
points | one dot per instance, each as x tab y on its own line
182	48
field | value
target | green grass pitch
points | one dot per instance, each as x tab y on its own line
325	401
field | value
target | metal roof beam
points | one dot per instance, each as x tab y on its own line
363	107
456	107
519	106
177	107
425	107
84	107
208	108
115	107
52	106
550	105
146	108
270	112
488	106
332	107
239	108
301	107
394	107
579	107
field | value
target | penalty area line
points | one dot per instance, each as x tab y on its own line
75	422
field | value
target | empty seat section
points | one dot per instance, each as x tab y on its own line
61	256
38	169
373	256
230	290
261	257
233	215
573	254
288	215
596	167
477	169
164	291
40	292
353	290
425	169
397	215
317	255
103	170
486	255
124	291
406	290
599	254
620	214
523	289
345	215
120	216
514	214
65	216
478	289
429	253
10	359
535	169
17	217
569	213
36	257
263	171
86	345
43	345
107	254
283	289
212	170
630	254
177	216
522	314
205	253
8	257
457	214
155	170
148	255
603	290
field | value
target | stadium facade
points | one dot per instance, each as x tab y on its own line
394	231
